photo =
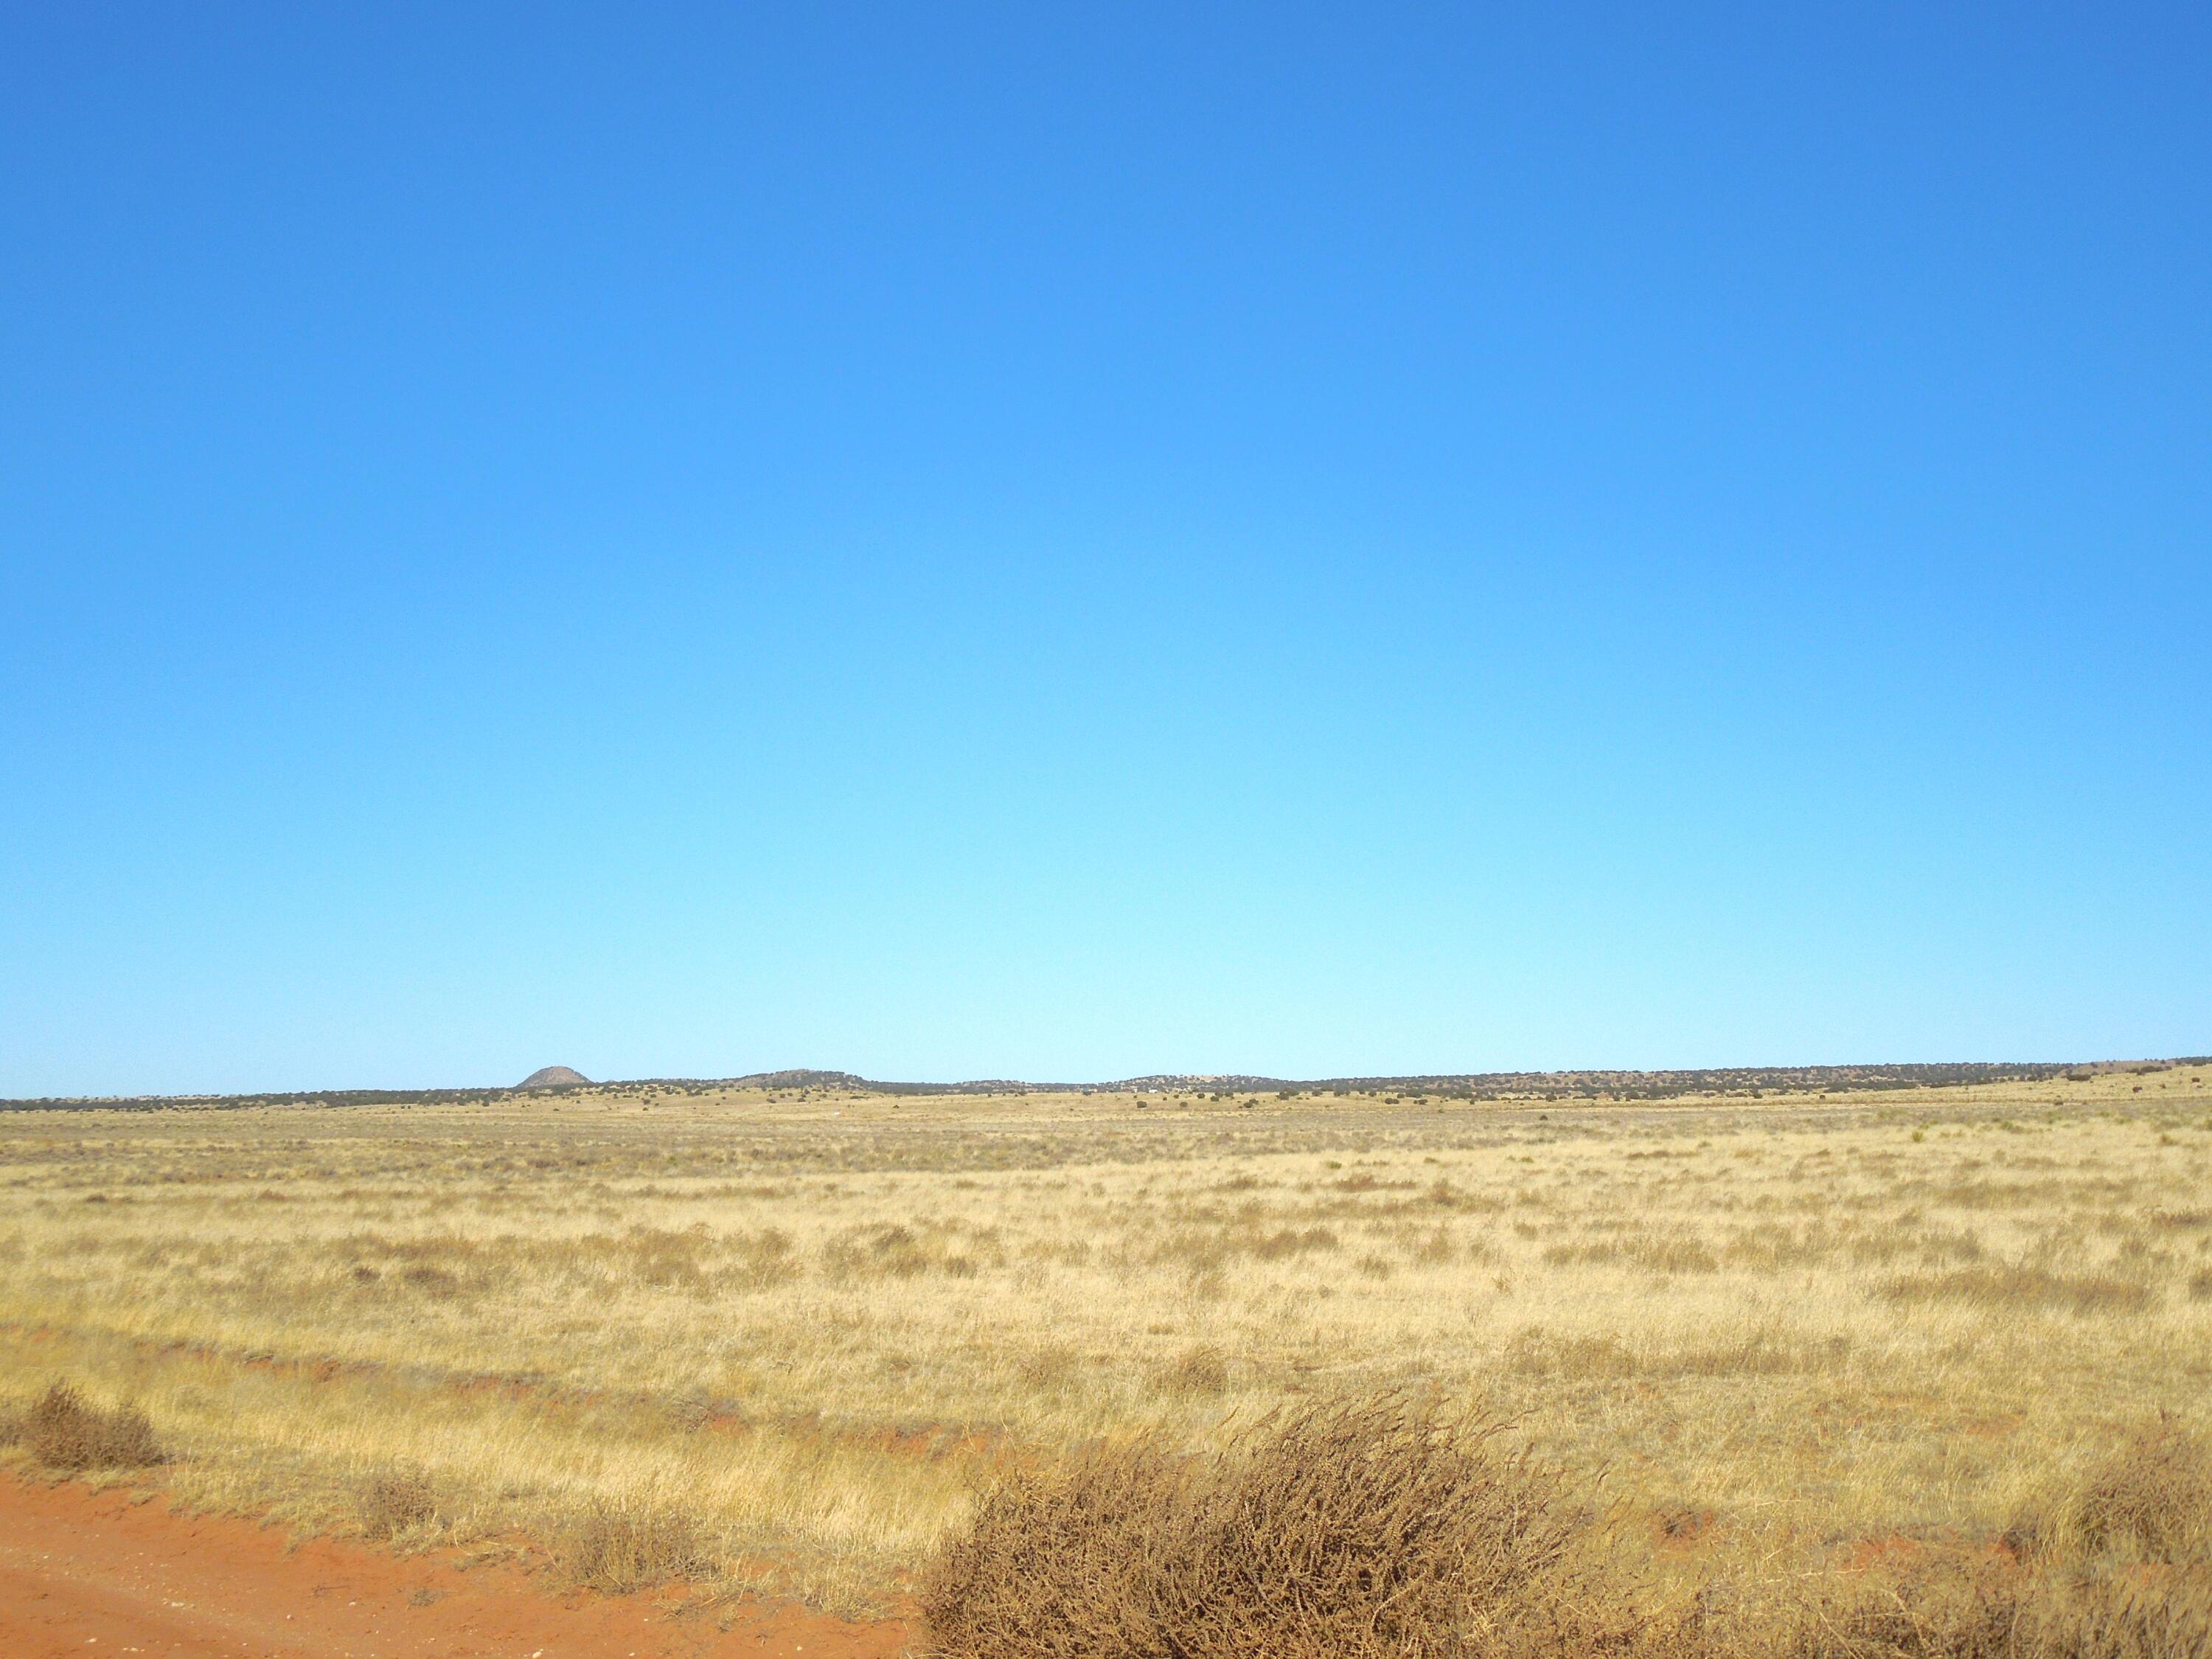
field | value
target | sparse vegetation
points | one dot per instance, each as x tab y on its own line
616	1548
1850	1346
64	1432
394	1505
1366	1528
2149	1500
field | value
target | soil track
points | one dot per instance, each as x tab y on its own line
85	1572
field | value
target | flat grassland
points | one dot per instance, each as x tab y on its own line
749	1336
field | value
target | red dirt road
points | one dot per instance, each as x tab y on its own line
91	1573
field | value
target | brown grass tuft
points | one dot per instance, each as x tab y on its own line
391	1504
1201	1371
439	1284
2152	1499
1346	1529
617	1548
64	1432
1958	1610
2028	1287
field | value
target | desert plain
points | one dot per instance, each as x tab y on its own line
776	1343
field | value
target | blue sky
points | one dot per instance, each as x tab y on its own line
1063	541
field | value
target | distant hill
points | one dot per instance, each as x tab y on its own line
795	1080
811	1080
552	1077
1592	1085
1479	1086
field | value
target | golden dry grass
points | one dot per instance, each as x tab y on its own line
1785	1337
1383	1529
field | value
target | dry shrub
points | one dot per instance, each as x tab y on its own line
1050	1370
1754	1353
668	1261
880	1252
1345	1530
1653	1252
1537	1351
2151	1499
1978	1610
65	1432
1293	1241
439	1284
1936	1613
1435	1248
1201	1371
2019	1286
617	1548
393	1503
762	1260
1380	1530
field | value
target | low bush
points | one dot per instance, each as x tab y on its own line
1379	1530
1201	1372
617	1548
391	1504
64	1432
2026	1287
2151	1500
1346	1530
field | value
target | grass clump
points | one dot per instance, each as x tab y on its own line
617	1548
66	1432
393	1504
1347	1530
2148	1500
1200	1372
2026	1287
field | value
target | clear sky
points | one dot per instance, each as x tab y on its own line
1064	541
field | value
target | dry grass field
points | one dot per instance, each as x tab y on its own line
787	1338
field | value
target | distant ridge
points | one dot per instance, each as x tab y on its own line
1481	1085
552	1077
1460	1085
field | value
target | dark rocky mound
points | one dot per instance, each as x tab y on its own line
552	1077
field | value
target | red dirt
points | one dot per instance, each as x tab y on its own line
99	1573
1890	1550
